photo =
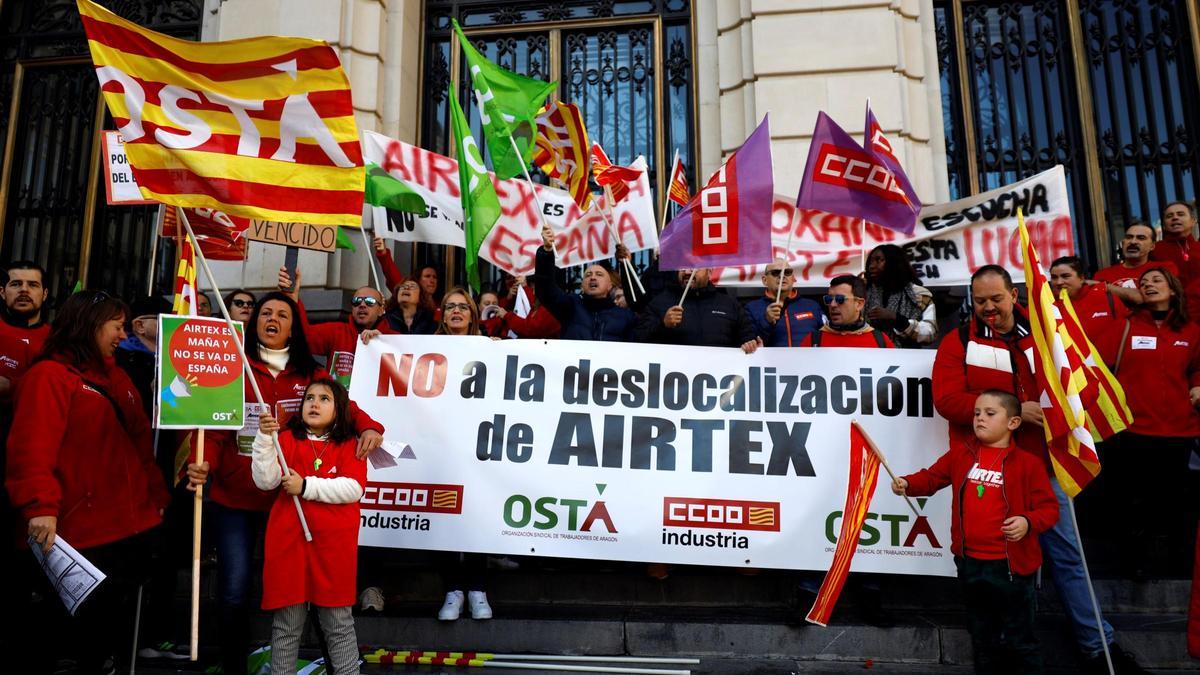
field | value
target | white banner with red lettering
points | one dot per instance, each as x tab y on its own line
950	242
581	237
648	453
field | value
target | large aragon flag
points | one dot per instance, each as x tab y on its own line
508	107
261	127
728	221
841	177
480	205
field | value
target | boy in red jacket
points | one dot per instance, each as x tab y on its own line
1002	501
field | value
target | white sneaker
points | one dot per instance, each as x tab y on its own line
452	607
162	650
480	609
371	598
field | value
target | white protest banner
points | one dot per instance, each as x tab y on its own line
645	452
119	185
950	242
581	237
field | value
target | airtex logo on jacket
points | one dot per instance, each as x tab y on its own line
989	477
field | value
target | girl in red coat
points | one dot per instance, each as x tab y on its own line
319	446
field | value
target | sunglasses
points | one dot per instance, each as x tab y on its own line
787	272
838	299
240	303
460	306
100	296
363	299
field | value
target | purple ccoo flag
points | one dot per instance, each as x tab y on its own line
841	177
728	221
878	146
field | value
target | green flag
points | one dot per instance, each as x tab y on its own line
480	205
384	190
343	240
508	105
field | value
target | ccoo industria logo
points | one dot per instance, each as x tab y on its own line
706	513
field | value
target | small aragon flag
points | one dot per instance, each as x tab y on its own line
864	473
677	189
612	176
259	127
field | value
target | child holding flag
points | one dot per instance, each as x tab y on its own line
319	446
1002	501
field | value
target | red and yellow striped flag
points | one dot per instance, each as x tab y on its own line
611	175
185	281
1081	400
562	149
677	189
864	472
260	127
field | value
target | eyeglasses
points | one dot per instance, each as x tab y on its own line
238	302
787	272
460	306
838	299
361	299
409	287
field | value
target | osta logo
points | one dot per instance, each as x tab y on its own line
887	529
548	513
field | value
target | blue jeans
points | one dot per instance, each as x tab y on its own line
238	533
1060	549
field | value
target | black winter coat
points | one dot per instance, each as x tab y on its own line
711	318
581	317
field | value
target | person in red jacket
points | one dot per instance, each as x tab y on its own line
81	468
1159	368
283	366
1002	501
994	351
24	294
1179	246
324	472
1100	312
846	303
1136	248
538	322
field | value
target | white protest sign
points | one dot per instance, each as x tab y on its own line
581	237
950	242
645	452
119	185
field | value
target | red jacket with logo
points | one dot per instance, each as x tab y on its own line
1026	491
34	336
1158	367
1182	252
967	364
826	336
1102	316
1120	275
71	456
231	482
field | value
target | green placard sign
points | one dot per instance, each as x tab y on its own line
200	380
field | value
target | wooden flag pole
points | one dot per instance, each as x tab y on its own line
533	191
197	511
883	461
237	342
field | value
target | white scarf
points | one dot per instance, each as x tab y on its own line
275	359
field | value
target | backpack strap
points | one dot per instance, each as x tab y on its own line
879	339
816	337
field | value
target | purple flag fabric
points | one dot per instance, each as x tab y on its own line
841	177
728	221
878	146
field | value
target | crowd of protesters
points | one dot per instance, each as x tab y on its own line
82	460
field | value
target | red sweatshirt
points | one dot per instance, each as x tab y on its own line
231	483
69	455
867	337
1025	489
34	336
1182	252
336	341
1102	316
1158	367
987	361
1120	275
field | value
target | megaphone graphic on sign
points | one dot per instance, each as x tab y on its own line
176	390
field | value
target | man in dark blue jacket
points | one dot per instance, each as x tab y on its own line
590	315
708	317
786	322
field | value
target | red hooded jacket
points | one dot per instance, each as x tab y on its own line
971	362
1026	491
1158	367
70	454
231	482
539	324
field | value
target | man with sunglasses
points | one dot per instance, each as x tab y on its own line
846	302
337	340
781	317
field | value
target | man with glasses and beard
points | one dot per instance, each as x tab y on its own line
781	317
847	327
336	340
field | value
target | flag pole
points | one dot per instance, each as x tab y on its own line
662	219
371	259
1091	591
237	342
533	190
607	212
197	511
154	249
687	286
883	460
